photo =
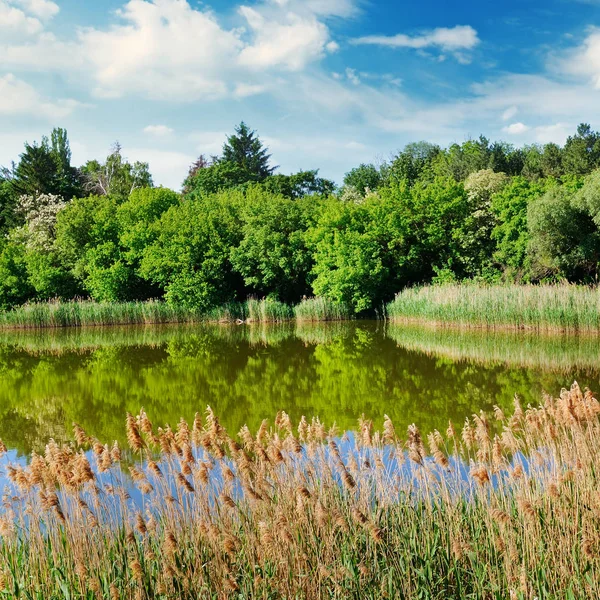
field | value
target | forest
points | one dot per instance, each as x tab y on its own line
476	211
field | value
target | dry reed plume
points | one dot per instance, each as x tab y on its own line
509	507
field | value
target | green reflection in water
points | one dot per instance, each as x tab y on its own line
336	371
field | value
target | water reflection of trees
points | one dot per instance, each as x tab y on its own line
336	371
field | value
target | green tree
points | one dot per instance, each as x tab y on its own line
70	182
363	178
460	160
116	177
8	204
272	255
190	258
581	154
299	185
413	162
245	150
565	241
351	256
15	288
45	168
511	232
36	172
214	178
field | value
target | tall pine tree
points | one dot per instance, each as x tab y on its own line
245	150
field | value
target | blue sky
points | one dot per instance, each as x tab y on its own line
327	83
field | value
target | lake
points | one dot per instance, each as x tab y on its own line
336	371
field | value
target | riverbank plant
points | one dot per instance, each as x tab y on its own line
322	309
539	307
506	508
81	313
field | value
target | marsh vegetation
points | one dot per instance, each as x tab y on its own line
502	506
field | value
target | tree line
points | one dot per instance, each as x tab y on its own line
479	210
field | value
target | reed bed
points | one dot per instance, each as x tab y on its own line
85	313
268	311
506	508
322	309
79	313
539	307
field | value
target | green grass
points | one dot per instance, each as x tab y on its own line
539	307
79	313
322	309
268	311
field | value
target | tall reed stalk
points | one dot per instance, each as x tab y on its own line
540	307
506	508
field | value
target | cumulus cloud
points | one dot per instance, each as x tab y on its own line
516	128
152	52
584	60
170	50
158	130
19	98
454	39
43	9
16	22
289	40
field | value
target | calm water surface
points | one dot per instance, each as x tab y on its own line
50	379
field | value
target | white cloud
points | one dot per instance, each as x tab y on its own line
353	78
516	128
243	90
15	22
557	133
152	53
168	50
289	40
19	98
43	9
584	60
158	130
509	113
461	37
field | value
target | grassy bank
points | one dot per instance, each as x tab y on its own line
293	512
85	313
539	307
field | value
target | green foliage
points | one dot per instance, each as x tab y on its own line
351	255
363	178
214	178
299	185
138	216
8	203
478	210
36	172
511	233
413	163
190	258
245	150
581	154
565	241
45	168
272	255
14	282
116	176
